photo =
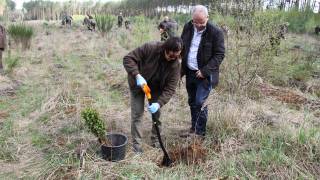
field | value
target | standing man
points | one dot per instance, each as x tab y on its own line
204	52
120	20
167	28
2	45
157	65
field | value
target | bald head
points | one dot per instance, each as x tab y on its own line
199	17
200	10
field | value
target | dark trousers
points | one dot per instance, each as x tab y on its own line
198	91
1	66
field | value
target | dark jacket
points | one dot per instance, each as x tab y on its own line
161	75
170	27
120	19
210	53
2	38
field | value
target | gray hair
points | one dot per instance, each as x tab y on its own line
200	8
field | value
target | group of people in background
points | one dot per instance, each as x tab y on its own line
196	54
120	21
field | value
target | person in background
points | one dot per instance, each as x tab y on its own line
120	20
2	46
167	28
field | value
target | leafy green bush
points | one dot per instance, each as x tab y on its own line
298	20
268	21
94	123
21	33
104	23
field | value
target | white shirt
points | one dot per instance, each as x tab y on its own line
193	51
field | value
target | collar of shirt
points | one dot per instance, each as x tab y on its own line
199	32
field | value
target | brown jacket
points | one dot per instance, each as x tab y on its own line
161	75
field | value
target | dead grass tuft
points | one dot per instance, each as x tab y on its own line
8	87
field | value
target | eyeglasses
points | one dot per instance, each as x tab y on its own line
199	24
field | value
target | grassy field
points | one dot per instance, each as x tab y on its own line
252	133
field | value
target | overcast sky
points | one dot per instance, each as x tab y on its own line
20	2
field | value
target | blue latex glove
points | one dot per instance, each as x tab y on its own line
140	80
154	107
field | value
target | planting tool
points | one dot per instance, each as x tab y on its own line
166	161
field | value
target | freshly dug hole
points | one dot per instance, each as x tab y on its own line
192	153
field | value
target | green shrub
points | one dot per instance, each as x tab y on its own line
21	33
104	23
298	20
268	21
94	123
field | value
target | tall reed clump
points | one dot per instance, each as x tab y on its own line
21	34
104	23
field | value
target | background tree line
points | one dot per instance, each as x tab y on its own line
297	11
41	9
6	5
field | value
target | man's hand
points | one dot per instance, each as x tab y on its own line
199	74
154	107
140	81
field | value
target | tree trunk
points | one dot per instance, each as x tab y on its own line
296	4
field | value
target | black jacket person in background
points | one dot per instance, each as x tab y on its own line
120	20
167	28
204	52
2	46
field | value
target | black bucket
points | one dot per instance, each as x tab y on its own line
117	151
